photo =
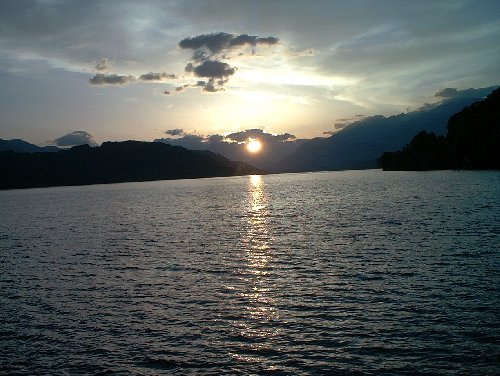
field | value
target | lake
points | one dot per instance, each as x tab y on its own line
345	273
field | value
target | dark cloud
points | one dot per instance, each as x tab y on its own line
188	141
175	132
245	135
156	76
210	86
216	42
213	68
112	79
284	137
260	134
449	93
215	138
427	106
446	93
75	138
166	92
270	41
252	40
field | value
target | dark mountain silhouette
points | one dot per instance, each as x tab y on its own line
472	142
360	144
25	147
113	162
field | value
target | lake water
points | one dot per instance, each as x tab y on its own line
355	272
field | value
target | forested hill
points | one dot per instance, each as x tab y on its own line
113	162
472	142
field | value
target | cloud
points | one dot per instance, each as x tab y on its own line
209	50
210	69
242	136
112	79
213	68
215	138
216	42
252	40
210	86
446	93
156	76
175	132
75	138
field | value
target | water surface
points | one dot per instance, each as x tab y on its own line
355	272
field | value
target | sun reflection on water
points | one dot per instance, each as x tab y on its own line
256	330
258	237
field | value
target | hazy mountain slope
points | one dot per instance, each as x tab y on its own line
21	146
361	144
113	162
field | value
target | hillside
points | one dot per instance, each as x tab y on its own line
113	162
472	142
359	145
22	146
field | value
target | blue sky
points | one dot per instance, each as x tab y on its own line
119	69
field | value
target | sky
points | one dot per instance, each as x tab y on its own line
118	70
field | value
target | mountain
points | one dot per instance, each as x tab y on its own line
21	146
360	144
113	162
472	142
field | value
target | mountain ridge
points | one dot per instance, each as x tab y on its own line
113	162
22	146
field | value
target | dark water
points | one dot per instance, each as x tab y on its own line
329	273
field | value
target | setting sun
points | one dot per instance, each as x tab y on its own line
253	146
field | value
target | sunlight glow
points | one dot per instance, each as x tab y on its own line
253	146
287	75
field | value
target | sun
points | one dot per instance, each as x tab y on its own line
253	145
